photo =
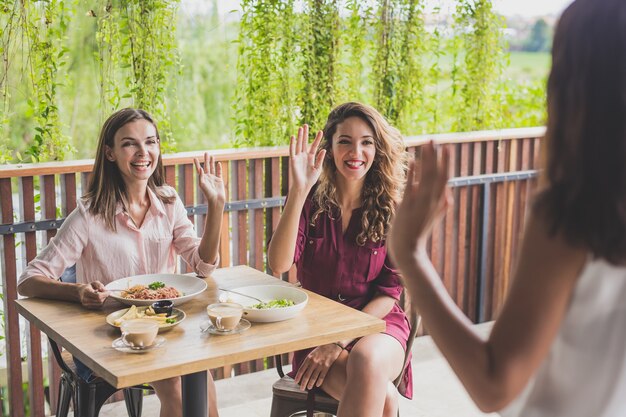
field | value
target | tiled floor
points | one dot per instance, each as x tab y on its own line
437	391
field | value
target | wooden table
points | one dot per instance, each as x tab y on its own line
188	351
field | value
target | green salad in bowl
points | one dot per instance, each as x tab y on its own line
278	302
283	302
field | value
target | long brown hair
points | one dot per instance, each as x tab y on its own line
585	146
106	187
384	180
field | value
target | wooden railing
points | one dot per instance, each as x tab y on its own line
474	247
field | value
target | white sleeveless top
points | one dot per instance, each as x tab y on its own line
584	374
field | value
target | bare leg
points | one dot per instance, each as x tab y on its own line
391	401
169	393
211	395
372	365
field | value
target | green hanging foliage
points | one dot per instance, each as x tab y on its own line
136	57
288	76
411	72
44	25
320	58
383	76
353	45
8	12
108	56
265	100
398	74
480	42
297	59
148	29
429	120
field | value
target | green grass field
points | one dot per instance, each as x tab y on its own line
528	65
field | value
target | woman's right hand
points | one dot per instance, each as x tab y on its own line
316	365
426	199
305	165
92	295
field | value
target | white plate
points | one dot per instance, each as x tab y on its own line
268	293
177	314
189	285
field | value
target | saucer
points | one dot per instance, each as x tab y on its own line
208	327
118	344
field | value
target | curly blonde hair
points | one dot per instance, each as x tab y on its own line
383	182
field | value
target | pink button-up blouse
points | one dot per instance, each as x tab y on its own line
104	255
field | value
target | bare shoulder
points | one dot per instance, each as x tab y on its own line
545	249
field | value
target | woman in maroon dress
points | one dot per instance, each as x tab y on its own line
334	231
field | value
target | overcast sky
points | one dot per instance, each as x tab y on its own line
527	8
530	7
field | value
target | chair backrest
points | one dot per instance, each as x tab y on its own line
57	355
69	275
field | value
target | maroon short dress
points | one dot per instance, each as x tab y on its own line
331	264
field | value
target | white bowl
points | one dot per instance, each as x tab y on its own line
268	293
190	286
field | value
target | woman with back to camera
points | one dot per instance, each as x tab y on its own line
558	347
128	223
334	230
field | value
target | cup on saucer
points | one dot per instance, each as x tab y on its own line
139	333
225	316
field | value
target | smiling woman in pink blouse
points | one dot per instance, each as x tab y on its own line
128	223
334	230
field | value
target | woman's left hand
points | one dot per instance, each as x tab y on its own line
210	179
316	365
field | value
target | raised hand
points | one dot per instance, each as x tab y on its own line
210	179
425	202
305	165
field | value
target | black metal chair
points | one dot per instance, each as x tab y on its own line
88	397
288	399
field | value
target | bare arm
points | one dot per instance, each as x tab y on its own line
495	371
305	168
90	295
283	244
212	185
39	277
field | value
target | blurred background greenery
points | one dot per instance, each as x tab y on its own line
214	78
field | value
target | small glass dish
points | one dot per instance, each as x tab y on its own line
207	327
118	344
163	306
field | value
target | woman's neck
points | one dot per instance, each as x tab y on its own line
137	194
349	194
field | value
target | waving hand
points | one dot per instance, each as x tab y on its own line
305	165
210	179
426	199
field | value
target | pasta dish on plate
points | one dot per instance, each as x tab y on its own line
154	291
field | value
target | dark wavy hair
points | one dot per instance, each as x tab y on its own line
384	180
584	198
106	187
